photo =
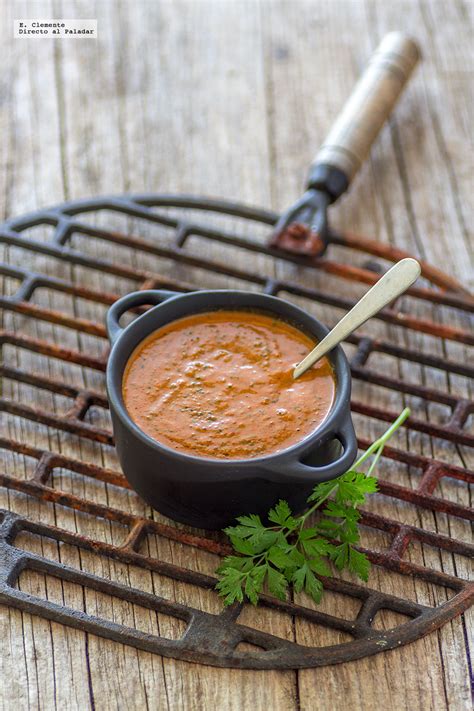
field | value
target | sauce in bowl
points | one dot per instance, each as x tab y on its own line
219	384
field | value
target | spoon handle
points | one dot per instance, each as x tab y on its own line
392	284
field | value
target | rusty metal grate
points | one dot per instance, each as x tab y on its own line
164	227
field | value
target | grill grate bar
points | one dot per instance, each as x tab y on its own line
184	230
450	431
271	286
41	491
420	391
425	501
50	349
179	255
67	424
32	310
414	532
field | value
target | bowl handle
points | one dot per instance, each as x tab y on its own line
130	301
297	471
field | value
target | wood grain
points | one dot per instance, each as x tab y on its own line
230	98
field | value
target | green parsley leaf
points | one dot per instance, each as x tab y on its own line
305	578
313	587
251	589
319	566
242	546
316	546
340	556
258	575
231	561
251	521
322	491
230	586
278	557
359	564
281	514
277	583
298	578
354	486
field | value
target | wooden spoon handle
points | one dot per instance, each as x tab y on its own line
392	284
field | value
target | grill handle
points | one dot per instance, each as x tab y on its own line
364	114
131	301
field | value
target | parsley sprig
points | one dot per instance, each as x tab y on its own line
287	552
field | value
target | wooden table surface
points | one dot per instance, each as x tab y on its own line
231	98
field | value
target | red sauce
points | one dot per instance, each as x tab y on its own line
219	384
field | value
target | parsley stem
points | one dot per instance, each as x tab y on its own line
381	441
317	504
375	460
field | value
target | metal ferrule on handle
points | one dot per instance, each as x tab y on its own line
367	109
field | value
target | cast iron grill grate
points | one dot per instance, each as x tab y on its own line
67	294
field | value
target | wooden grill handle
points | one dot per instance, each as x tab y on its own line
369	105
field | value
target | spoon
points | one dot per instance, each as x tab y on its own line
392	284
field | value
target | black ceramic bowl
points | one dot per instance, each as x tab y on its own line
211	493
